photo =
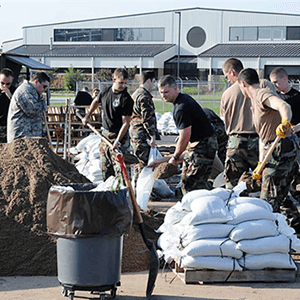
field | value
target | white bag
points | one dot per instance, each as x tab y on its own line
146	180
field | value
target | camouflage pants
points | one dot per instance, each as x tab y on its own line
141	150
279	171
3	134
222	138
109	161
242	154
197	164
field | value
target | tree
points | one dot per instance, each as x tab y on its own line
71	76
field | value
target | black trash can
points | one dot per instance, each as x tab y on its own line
90	227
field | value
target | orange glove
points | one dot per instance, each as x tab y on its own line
256	175
283	128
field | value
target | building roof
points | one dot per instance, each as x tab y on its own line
253	50
108	50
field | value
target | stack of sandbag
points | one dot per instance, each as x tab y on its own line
166	124
87	154
219	230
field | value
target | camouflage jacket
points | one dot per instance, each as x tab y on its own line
25	114
143	118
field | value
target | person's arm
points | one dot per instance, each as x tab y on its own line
281	106
122	131
93	107
182	143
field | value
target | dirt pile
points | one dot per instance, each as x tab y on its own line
28	168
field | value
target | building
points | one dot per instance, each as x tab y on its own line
201	38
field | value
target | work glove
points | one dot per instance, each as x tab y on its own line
283	128
256	175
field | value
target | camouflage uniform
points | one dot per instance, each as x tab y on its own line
3	130
25	114
197	164
143	125
242	154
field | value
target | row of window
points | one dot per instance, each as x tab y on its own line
273	33
109	34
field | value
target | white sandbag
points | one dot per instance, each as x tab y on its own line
204	231
248	211
209	209
210	262
253	230
255	201
175	214
213	247
279	243
161	189
168	240
263	261
110	184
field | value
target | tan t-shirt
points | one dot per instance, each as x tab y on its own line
265	118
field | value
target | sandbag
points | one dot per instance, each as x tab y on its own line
161	189
256	201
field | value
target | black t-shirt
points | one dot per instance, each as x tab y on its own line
187	112
4	105
83	98
114	106
213	117
293	99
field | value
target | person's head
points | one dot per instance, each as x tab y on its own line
95	93
148	80
120	78
40	81
85	89
231	69
167	88
6	78
247	77
279	77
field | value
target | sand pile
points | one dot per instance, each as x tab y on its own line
28	168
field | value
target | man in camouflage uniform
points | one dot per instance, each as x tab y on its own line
6	91
271	116
116	109
143	127
25	114
197	143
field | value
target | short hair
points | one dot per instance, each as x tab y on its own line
167	80
249	76
279	72
120	72
234	64
147	75
41	77
95	90
85	89
7	72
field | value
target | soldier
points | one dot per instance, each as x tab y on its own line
116	109
143	127
25	114
272	116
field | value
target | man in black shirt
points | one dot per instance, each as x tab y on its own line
197	142
6	91
116	109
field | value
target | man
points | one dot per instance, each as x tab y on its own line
235	108
143	125
271	116
197	144
6	91
25	114
116	109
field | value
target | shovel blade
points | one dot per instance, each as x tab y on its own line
153	271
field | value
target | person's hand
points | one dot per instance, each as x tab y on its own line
84	120
256	175
283	128
116	145
7	92
152	142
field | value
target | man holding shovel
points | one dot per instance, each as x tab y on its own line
271	116
197	143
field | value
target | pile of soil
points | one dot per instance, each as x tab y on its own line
165	170
28	168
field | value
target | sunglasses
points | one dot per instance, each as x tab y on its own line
4	83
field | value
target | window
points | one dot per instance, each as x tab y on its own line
109	34
293	33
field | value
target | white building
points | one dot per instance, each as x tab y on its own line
202	38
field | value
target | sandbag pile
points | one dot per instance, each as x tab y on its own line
219	230
166	124
87	152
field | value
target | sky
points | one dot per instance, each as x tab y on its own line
15	14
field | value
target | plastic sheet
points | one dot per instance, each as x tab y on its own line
74	211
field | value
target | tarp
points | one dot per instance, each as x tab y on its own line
74	211
28	62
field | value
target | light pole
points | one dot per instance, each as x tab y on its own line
178	53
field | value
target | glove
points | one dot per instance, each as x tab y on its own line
283	128
256	175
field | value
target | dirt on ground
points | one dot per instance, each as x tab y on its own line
28	168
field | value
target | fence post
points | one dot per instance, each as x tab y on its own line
198	88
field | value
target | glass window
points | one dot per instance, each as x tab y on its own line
265	33
158	34
293	33
236	34
250	33
279	33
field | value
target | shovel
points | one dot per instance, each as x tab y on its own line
154	261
